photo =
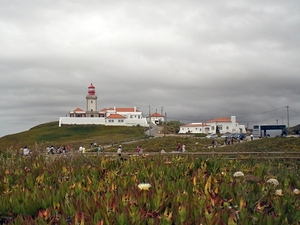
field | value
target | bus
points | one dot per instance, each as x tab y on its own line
264	130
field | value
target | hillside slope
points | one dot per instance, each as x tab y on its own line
73	135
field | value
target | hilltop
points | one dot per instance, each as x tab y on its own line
43	135
73	135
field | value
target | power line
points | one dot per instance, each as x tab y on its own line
255	114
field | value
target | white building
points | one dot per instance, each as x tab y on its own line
225	125
156	118
129	116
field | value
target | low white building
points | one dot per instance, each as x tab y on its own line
156	118
225	125
113	116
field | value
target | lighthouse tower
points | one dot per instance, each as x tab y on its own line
91	102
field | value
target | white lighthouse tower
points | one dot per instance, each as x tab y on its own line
91	102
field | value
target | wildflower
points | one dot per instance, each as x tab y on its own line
296	191
144	186
278	192
273	181
238	174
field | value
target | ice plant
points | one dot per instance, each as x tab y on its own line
273	181
144	186
238	174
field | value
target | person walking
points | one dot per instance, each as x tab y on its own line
138	149
119	151
251	136
183	148
26	151
179	147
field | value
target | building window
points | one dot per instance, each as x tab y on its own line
212	127
220	127
120	121
91	102
227	127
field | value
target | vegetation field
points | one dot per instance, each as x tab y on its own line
145	189
158	189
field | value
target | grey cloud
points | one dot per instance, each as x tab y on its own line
198	59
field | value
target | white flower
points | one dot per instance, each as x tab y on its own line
296	191
144	186
278	192
238	174
273	181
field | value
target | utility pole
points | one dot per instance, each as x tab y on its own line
149	121
288	117
165	123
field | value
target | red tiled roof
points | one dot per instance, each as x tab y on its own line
195	125
103	110
115	116
126	110
156	115
120	109
220	119
78	110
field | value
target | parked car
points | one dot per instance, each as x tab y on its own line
227	135
240	136
212	136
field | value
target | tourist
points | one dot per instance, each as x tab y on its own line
26	151
119	151
138	149
80	149
251	136
183	148
213	143
179	147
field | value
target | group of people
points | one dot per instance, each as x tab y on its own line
228	141
52	150
180	148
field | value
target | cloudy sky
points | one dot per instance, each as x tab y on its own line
197	59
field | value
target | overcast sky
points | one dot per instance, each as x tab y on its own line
197	59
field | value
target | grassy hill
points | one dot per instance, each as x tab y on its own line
73	135
47	134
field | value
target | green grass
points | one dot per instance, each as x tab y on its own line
74	135
47	134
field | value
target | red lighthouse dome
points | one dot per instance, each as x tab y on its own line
91	90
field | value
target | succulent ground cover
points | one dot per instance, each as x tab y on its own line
160	189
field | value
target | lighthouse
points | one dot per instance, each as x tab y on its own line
91	102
